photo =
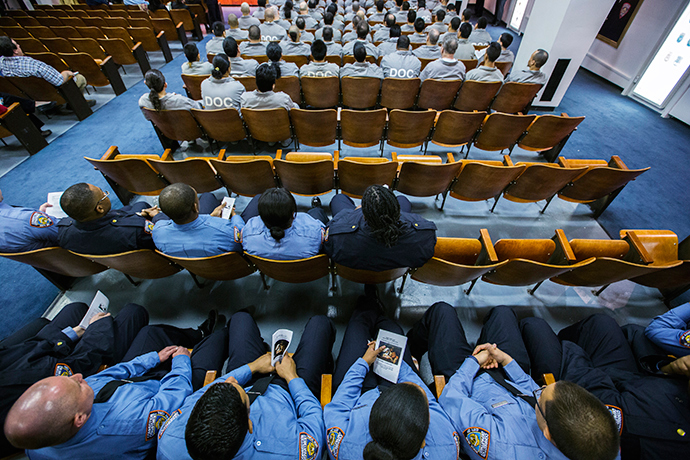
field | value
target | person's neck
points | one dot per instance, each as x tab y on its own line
533	68
188	220
489	64
162	94
254	41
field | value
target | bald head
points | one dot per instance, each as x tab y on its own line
432	37
303	9
245	9
269	15
50	412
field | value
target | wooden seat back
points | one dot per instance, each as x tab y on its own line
6	21
548	130
138	23
501	131
268	125
223	125
469	64
540	182
586	248
293	271
298	59
356	174
438	94
407	129
223	267
660	245
424	179
58	45
86	65
362	128
454	129
93	22
425	62
321	92
246	175
17	32
52	59
399	93
337	60
89	46
116	22
315	128
504	67
195	172
598	181
290	86
350	59
193	84
119	50
132	173
6	86
37	89
515	97
65	32
305	173
57	260
183	16
482	180
119	32
476	95
360	92
40	32
72	22
90	32
27	21
178	125
146	37
248	82
160	13
31	45
141	263
368	276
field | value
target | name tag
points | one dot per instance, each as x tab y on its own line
499	404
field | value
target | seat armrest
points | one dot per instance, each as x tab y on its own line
487	255
111	153
616	162
167	155
637	253
563	255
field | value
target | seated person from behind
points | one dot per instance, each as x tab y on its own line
411	16
275	230
215	45
275	56
292	45
270	30
377	235
479	35
220	90
465	47
194	64
304	35
264	97
418	36
94	228
254	47
328	22
402	63
487	71
319	67
505	40
362	35
246	21
453	28
383	33
197	228
158	99
390	44
362	67
446	68
25	229
238	67
332	48
533	74
234	31
430	50
439	24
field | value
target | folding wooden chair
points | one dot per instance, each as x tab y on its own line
483	180
192	85
315	128
268	125
469	64
504	67
123	54
399	93
144	22
298	60
476	95
31	45
14	122
72	22
501	131
58	45
93	22
548	134
199	11
418	176
363	128
360	92
368	276
101	73
17	32
90	32
151	41
89	46
173	125
140	263
290	86
356	174
116	22
515	97
189	22
173	31
292	271
305	173
27	21
38	89
195	172
40	32
438	94
246	175
408	129
457	129
248	82
66	32
48	21
321	92
221	125
6	21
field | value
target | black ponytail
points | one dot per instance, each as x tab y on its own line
220	66
155	80
382	213
277	208
375	451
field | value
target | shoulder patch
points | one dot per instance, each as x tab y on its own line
685	339
456	438
154	423
237	234
62	370
308	447
168	422
478	439
40	220
325	235
618	416
148	227
334	436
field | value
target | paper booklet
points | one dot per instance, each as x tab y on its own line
99	304
279	344
227	210
55	211
388	362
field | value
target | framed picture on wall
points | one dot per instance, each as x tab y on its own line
619	19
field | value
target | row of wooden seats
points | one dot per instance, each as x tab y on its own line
594	182
38	89
648	257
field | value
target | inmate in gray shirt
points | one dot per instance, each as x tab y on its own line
221	94
319	69
361	69
443	69
428	52
171	101
528	76
484	73
197	68
401	64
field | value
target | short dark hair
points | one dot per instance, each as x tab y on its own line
177	201
406	6
277	208
218	29
506	39
191	52
419	25
218	424
381	211
362	30
389	19
230	47
411	16
261	3
398	423
455	23
580	425
379	5
319	50
254	32
221	64
332	8
493	51
450	7
403	43
274	52
467	14
7	47
440	15
327	34
395	31
78	201
421	4
328	18
540	57
359	51
465	30
481	23
300	23
265	77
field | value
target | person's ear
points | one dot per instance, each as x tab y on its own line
251	426
80	419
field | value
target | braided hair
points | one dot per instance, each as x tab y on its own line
277	209
382	214
155	80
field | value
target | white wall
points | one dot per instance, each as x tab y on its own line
621	65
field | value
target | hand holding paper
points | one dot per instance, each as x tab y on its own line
371	353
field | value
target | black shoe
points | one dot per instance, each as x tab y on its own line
91	102
46	133
209	325
316	202
371	292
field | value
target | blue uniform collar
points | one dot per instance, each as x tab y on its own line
4	205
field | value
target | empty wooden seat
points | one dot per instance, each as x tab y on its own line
199	12
248	82
50	58
246	175
305	173
192	84
469	64
90	32
290	86
89	46
483	180
189	22
38	89
293	271
27	21
151	41
72	22
501	131
123	54
93	22
515	97
141	263
221	125
195	172
419	177
49	21
223	267
457	129
140	22
173	31
363	128
178	125
407	129
131	172
17	32
14	122
360	92
6	21
31	45
57	260
40	32
399	93
476	95
548	134
268	125
58	45
98	12
102	73
116	22
66	32
356	174
321	92
438	94
315	128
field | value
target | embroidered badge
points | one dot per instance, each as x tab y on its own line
323	235
456	438
478	439
63	370
685	339
154	423
40	220
237	235
308	447
617	416
168	422
334	436
325	238
148	227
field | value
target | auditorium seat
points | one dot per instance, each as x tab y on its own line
141	263
356	174
221	125
102	73
457	129
419	177
515	97
305	173
91	32
408	129
175	125
292	271
223	267
72	22
504	67
363	128
438	94
245	175
188	21
469	64
501	131
58	45
49	21
399	93
14	122
298	59
89	46
548	134
192	85
290	86
38	89
368	276
315	128
476	95
268	125
360	92
321	92
50	58
196	172
483	180
173	31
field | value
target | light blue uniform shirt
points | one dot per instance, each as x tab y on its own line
347	418
206	236
127	424
494	423
303	239
24	229
671	331
286	425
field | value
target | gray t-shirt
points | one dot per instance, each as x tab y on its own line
319	69
484	73
171	101
337	35
441	27
371	49
243	67
221	94
361	69
197	68
442	69
309	22
428	52
382	34
272	32
480	37
215	45
246	22
288	69
352	36
401	64
305	36
253	49
417	38
388	47
528	76
237	34
295	49
333	49
268	100
465	50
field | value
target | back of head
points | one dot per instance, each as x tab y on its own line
481	23
269	15
406	6
399	3
155	80
221	65
506	39
328	18
450	45
274	51
440	15
389	19
244	8
287	9
232	21
277	208
355	7
455	23
362	30
78	201
580	425
312	4
466	14
395	31
265	77
303	9
293	32
218	29
421	4
230	47
191	52
403	43
465	30
7	48
319	50
327	34
359	51
379	6
434	35
451	7
177	200
333	9
412	16
540	57
254	32
382	212
217	425
493	51
419	25
398	423
300	23
356	20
